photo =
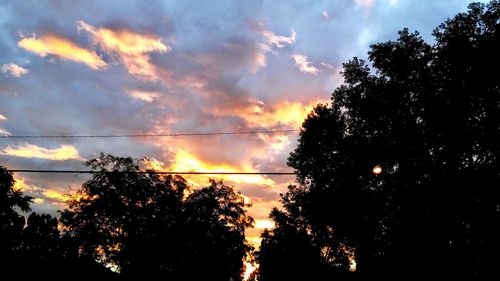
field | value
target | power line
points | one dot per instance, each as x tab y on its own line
147	135
147	172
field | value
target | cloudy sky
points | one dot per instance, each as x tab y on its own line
158	67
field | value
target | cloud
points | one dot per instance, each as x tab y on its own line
38	200
65	152
187	162
2	117
242	53
4	133
278	40
259	114
326	16
284	112
63	48
14	70
144	95
44	196
235	55
264	224
21	185
366	5
56	195
131	48
304	65
153	164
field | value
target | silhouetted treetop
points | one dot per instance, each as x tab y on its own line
428	116
9	197
151	225
11	223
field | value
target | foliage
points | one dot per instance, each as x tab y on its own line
151	225
429	116
11	223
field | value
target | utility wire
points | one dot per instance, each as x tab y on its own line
146	135
148	172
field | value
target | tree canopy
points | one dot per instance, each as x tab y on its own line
136	223
427	117
144	224
11	223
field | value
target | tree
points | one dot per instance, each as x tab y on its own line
33	248
428	117
148	225
51	256
40	243
11	223
213	237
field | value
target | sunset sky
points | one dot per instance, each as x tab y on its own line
159	67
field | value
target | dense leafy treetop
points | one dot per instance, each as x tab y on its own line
429	117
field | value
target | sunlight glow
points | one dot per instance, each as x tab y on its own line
38	200
264	224
53	194
377	170
153	164
20	185
249	269
185	161
255	241
352	264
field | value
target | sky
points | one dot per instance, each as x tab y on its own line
159	67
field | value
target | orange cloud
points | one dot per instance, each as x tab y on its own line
62	198
260	212
264	224
61	47
132	48
249	269
65	152
38	200
2	117
38	193
21	185
56	195
257	114
304	65
187	162
153	164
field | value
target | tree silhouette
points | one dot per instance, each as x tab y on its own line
11	223
33	248
428	117
40	242
148	225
